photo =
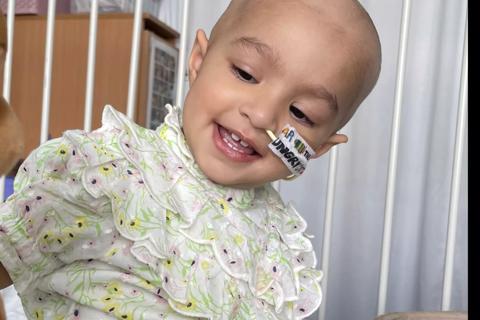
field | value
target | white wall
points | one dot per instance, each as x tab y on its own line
425	163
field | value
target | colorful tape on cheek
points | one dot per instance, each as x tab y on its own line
291	148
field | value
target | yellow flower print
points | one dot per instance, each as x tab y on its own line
134	224
38	314
190	305
69	233
114	288
163	132
146	284
53	238
81	223
211	234
111	307
290	305
61	240
111	252
101	150
121	218
263	279
47	237
62	150
239	240
224	206
168	264
105	170
126	315
169	216
205	265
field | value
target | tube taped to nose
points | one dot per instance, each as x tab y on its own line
292	149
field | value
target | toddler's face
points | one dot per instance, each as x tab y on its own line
279	66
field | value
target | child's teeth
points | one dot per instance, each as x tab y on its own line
235	137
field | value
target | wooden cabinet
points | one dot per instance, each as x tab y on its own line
68	86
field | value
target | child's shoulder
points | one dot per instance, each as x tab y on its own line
118	138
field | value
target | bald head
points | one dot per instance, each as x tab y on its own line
345	22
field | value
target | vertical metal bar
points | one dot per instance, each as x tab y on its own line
134	60
181	71
47	72
327	227
392	170
456	176
92	45
7	71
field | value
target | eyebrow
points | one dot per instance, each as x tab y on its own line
263	49
266	52
323	93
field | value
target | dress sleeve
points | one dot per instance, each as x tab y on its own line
48	210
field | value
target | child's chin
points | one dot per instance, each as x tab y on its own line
221	178
222	174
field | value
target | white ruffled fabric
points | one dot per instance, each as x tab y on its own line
221	253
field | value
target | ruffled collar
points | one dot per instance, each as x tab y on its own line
244	249
171	130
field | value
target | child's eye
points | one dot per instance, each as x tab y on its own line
243	75
299	115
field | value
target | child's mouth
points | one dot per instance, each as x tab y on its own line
232	146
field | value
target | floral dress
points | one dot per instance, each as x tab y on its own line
120	223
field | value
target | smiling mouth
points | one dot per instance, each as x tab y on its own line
232	145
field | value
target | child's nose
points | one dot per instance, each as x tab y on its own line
260	116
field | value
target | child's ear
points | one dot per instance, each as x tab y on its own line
199	50
332	141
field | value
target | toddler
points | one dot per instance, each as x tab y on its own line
182	222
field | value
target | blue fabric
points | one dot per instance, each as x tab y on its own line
8	187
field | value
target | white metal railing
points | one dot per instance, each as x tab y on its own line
392	168
327	227
134	60
92	46
47	75
456	176
181	70
7	72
